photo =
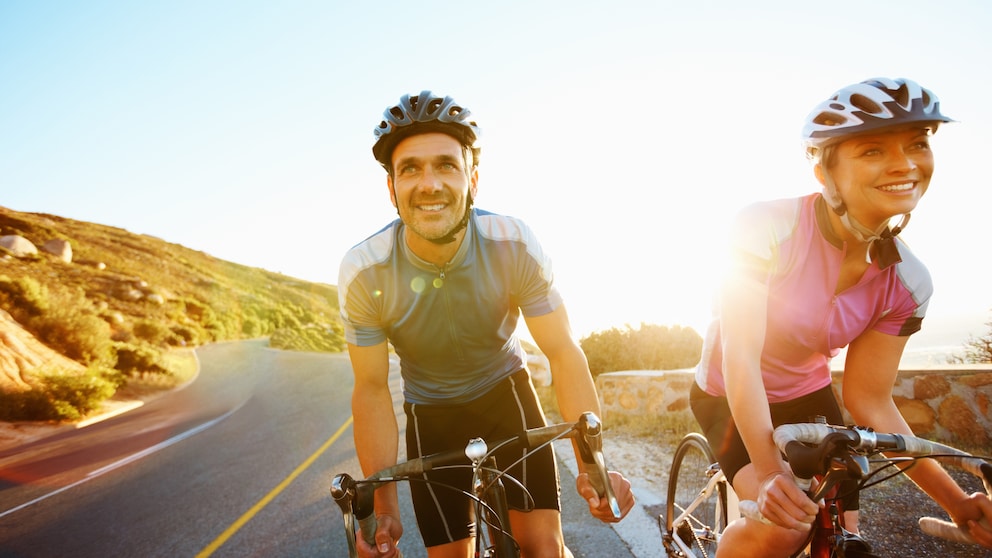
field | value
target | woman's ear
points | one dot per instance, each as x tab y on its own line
818	171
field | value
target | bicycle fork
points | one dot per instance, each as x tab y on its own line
492	512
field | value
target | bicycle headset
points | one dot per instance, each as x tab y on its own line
870	106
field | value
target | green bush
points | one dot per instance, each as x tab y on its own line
651	347
153	332
187	335
58	396
23	297
77	334
977	350
326	339
138	359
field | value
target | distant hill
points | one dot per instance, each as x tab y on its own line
122	299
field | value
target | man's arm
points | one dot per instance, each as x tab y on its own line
576	394
570	374
376	431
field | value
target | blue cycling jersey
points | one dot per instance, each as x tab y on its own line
452	327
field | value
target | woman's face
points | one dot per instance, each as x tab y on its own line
881	175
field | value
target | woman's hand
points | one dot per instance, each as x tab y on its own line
600	507
974	514
783	503
387	535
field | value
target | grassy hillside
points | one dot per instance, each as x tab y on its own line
126	299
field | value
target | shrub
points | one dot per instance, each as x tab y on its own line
79	335
138	359
152	332
321	339
58	396
651	347
24	297
977	350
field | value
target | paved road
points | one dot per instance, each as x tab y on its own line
236	464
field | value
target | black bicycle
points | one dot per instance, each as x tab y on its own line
495	539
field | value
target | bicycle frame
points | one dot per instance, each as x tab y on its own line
716	478
831	454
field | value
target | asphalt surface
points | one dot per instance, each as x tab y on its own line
238	463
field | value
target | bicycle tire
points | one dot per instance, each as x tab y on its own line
686	481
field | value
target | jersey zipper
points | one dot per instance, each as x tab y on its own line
449	311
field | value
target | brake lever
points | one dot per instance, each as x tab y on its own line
591	450
343	492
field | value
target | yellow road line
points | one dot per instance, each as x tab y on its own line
248	515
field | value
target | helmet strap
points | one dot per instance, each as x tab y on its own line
879	241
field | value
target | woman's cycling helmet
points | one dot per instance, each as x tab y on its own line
420	114
869	106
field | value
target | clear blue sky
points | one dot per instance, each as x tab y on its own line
626	132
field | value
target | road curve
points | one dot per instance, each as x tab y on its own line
236	464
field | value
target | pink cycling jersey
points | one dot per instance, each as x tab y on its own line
789	244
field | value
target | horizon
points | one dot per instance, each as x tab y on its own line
627	135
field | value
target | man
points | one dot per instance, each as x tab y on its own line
445	284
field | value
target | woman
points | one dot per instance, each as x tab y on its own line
811	275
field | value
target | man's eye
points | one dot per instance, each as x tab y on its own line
448	166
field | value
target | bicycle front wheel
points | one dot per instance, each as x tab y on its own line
694	517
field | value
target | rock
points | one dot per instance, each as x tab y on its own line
21	354
59	248
19	246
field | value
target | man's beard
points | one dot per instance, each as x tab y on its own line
459	226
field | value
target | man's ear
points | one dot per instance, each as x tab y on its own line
392	191
473	185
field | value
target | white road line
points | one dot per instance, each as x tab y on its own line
122	462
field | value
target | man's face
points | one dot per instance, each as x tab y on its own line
430	183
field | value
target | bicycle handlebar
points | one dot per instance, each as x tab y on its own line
356	498
831	441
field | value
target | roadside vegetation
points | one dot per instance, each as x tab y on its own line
127	304
977	349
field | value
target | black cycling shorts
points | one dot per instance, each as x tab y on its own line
443	514
713	415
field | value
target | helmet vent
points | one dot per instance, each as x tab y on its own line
829	119
901	95
866	104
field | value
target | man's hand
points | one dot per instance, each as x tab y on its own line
387	535
599	507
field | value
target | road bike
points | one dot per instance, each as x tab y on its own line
701	503
495	538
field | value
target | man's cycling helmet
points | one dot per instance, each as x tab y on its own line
869	106
420	114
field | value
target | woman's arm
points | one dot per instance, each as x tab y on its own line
870	372
743	307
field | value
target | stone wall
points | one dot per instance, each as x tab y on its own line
951	403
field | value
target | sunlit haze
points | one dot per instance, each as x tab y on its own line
626	133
